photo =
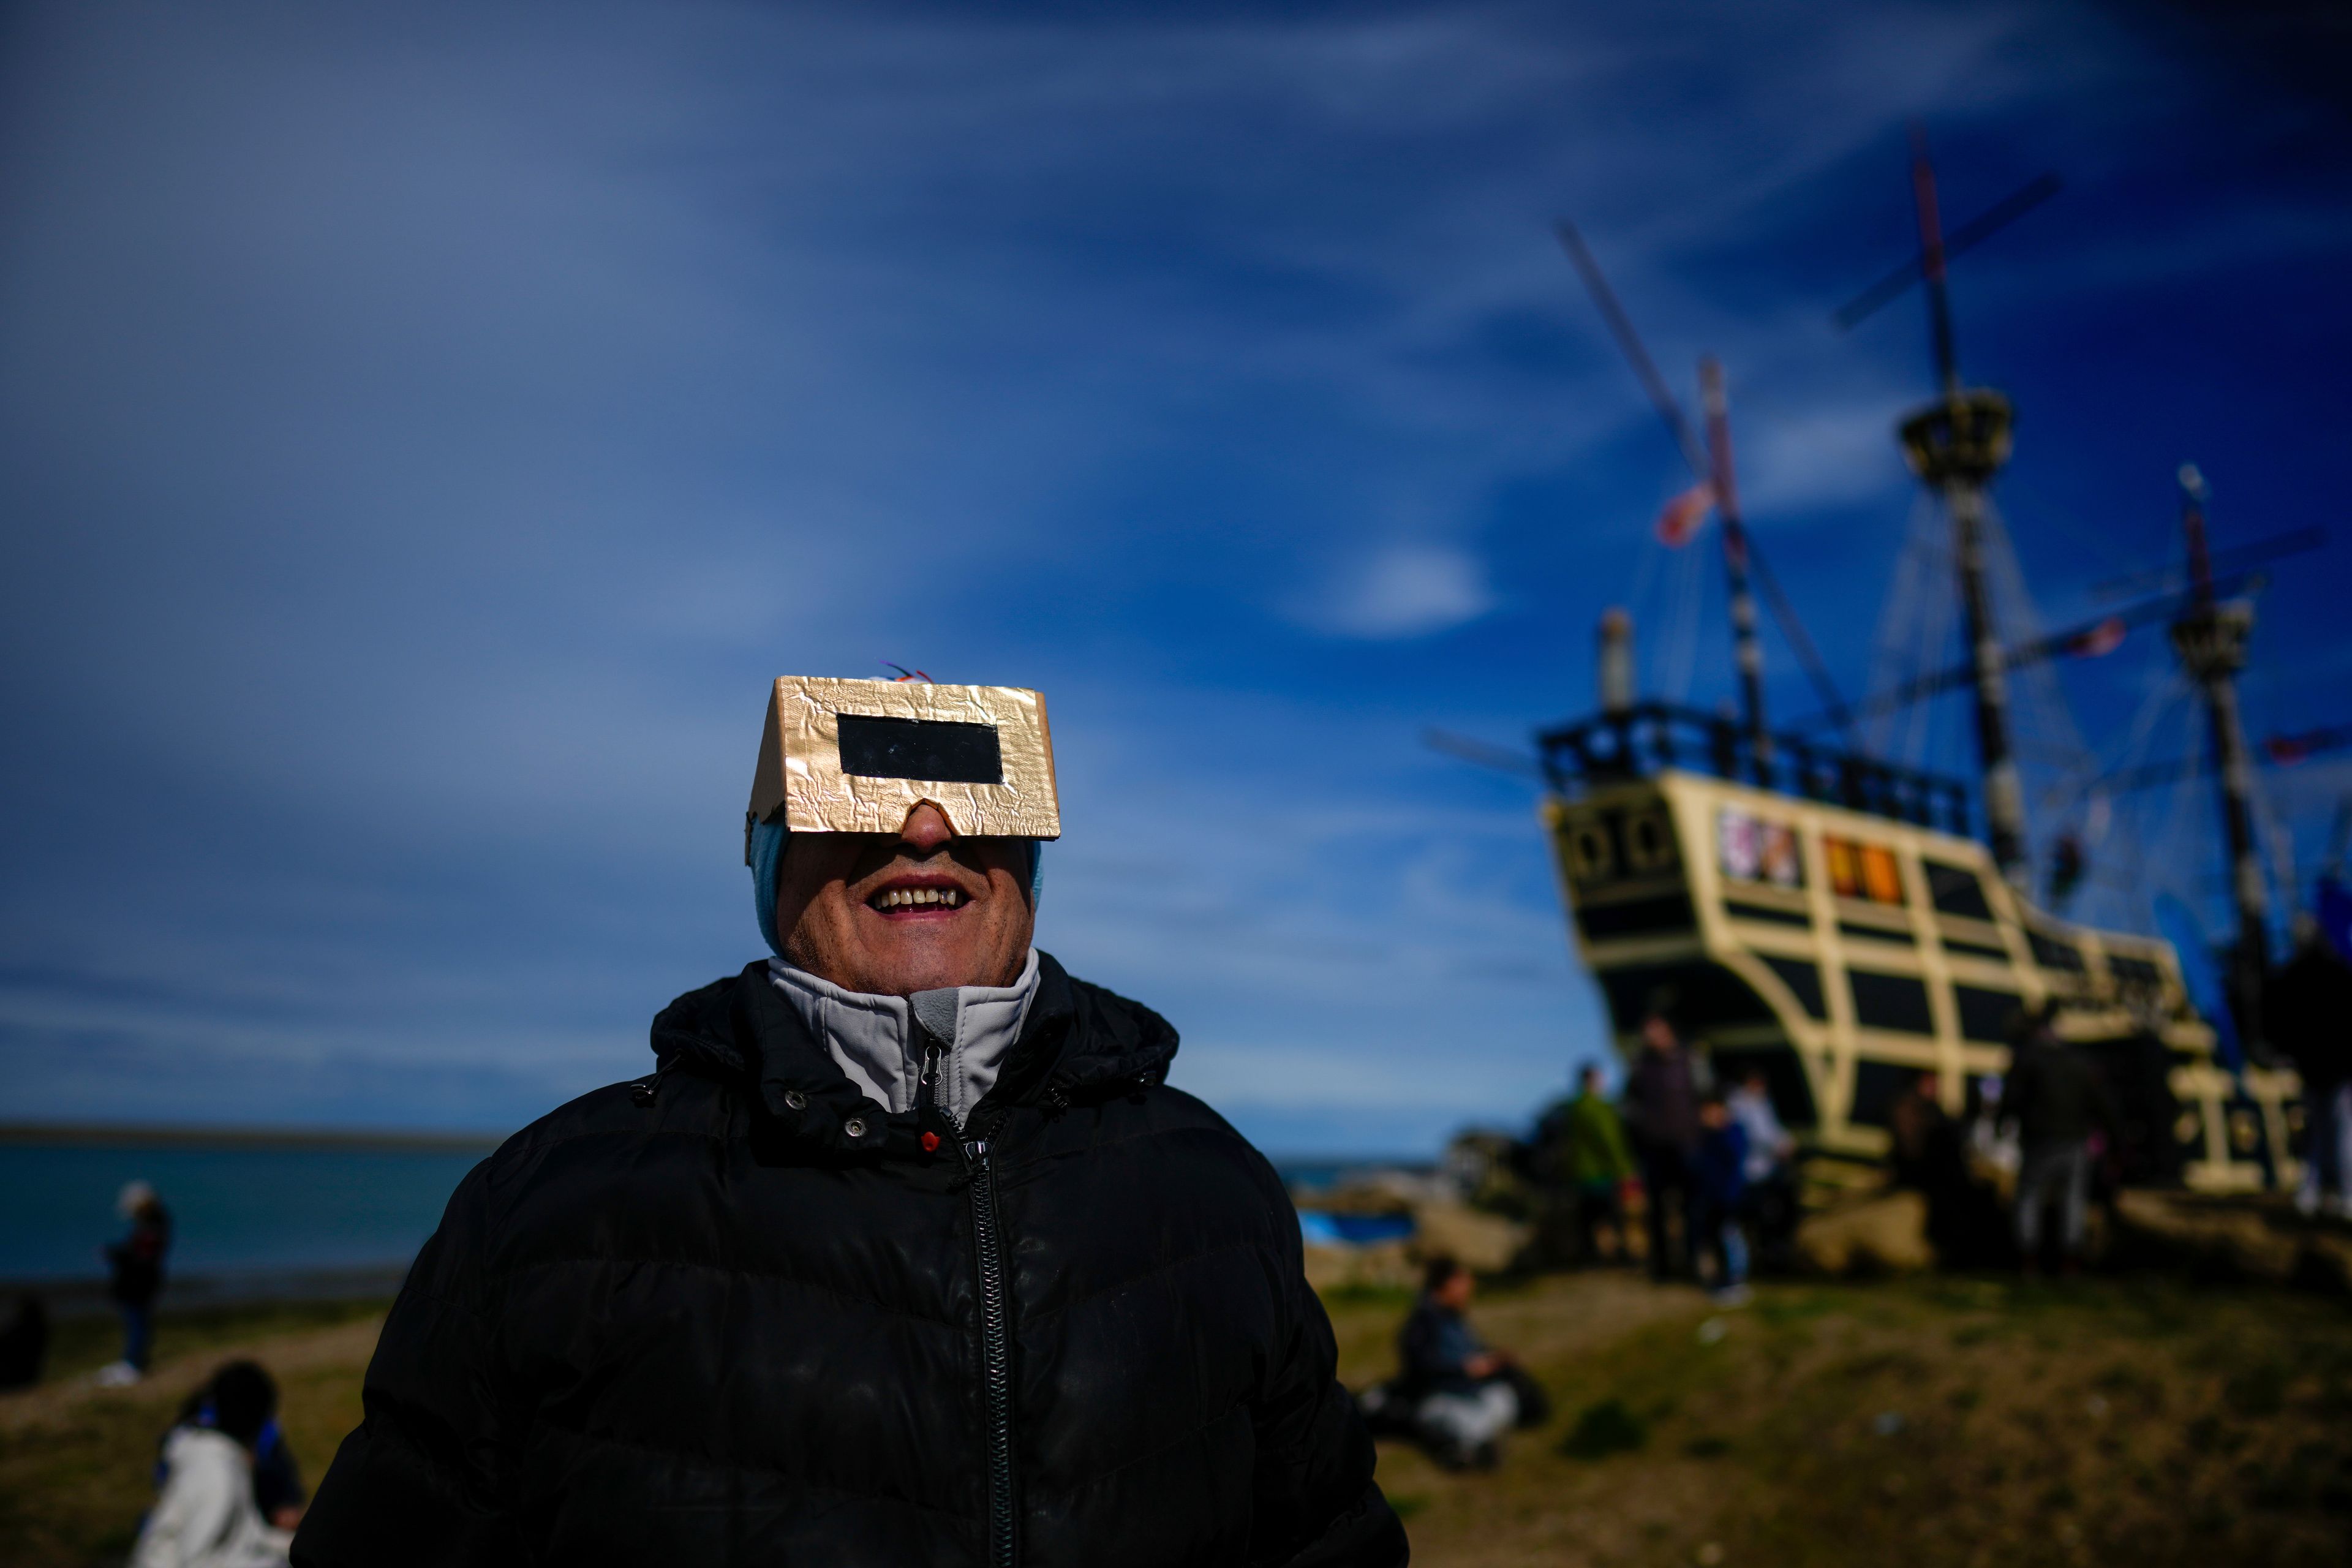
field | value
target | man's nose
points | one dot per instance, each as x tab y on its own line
926	828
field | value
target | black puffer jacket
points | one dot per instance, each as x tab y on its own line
723	1327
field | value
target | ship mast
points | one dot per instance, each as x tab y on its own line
1747	649
2211	638
1710	464
1957	444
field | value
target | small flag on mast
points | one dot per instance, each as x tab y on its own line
2099	641
1684	515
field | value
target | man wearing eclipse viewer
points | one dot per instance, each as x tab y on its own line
905	1254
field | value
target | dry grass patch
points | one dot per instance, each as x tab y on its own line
1933	1422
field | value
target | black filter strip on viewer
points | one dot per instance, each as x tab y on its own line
943	750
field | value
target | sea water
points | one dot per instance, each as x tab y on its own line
249	1211
235	1210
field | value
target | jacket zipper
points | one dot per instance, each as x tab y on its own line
995	1354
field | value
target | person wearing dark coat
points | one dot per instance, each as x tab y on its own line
1462	1393
905	1254
2307	1012
135	1277
1719	1176
2058	1101
1930	1157
1660	1107
24	1342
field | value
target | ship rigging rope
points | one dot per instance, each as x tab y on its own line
2052	715
1801	643
2111	821
2168	688
1913	633
2043	719
1678	652
2181	850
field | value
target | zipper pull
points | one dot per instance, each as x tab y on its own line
932	1122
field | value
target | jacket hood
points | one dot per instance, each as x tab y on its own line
1079	1041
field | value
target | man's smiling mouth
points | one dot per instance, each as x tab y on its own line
904	899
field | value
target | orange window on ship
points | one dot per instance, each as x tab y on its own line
1865	871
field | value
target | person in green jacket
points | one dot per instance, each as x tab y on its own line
1582	1145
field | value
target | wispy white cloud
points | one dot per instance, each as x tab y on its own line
1404	591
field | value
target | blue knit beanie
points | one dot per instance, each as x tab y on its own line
768	852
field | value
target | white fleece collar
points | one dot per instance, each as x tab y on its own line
878	1041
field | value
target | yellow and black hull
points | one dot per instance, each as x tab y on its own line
1845	953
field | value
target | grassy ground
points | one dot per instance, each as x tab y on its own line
1931	1422
1927	1422
76	1462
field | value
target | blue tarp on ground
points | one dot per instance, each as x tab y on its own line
1320	1229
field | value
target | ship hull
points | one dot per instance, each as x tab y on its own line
1845	953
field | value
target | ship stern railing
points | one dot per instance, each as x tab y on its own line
1644	738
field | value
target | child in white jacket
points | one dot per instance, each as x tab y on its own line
206	1516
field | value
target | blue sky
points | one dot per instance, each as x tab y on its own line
426	429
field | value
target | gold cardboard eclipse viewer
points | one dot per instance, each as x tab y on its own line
855	756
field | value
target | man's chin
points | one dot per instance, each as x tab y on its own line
910	955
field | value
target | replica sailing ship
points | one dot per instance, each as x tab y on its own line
1845	924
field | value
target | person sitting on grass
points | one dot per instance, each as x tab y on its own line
276	1479
1721	1172
1463	1395
206	1516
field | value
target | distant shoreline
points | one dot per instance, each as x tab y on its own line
132	1134
82	1296
146	1135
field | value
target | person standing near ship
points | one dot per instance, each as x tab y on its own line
1661	1111
905	1253
1769	1206
1582	1156
135	1277
1719	1174
2058	1101
2308	1010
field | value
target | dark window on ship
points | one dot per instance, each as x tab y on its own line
1890	1002
1985	1015
1955	891
1803	981
1704	996
2051	953
1649	842
1739	909
1591	850
1876	1087
2135	973
1976	950
1635	917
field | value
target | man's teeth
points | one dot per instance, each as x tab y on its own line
916	898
